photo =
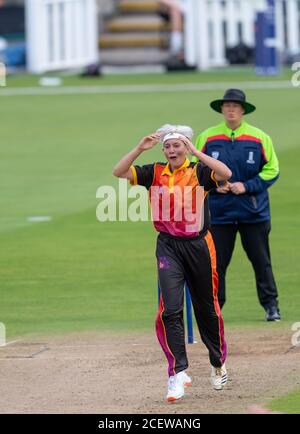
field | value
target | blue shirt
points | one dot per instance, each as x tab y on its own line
250	155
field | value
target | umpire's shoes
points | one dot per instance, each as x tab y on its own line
273	314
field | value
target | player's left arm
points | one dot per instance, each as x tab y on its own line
270	171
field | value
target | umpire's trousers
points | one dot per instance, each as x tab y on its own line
255	241
191	260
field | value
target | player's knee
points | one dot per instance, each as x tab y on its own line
173	312
169	314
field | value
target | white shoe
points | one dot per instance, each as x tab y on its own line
176	385
218	377
187	380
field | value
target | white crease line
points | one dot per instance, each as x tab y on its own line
78	346
147	88
94	345
9	343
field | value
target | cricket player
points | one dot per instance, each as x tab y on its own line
185	249
243	204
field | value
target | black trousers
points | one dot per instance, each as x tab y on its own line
181	260
255	241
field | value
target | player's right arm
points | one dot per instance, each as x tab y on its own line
122	168
201	146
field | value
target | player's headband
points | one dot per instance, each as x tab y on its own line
171	136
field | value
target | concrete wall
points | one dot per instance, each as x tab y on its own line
106	7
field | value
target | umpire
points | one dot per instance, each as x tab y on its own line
242	205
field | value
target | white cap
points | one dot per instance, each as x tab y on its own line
168	132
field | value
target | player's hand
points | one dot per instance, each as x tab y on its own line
148	142
189	145
237	188
224	189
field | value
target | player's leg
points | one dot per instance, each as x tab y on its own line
202	278
175	12
224	239
255	241
169	320
176	21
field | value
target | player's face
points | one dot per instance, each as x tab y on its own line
175	152
233	112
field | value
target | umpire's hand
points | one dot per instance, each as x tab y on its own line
237	188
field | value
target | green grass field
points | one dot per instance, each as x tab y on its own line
289	404
214	75
75	273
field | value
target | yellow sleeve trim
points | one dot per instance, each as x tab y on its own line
212	175
134	174
218	183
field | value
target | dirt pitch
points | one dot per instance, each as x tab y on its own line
116	373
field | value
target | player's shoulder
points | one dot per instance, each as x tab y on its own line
197	167
159	165
151	166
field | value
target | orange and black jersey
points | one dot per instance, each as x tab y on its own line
192	175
